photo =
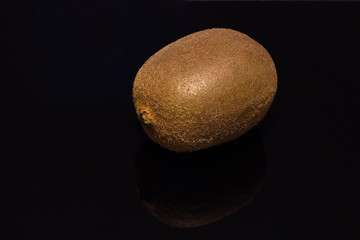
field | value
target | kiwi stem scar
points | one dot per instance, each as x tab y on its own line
145	117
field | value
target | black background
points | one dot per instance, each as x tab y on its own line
72	136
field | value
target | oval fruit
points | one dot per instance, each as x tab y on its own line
204	89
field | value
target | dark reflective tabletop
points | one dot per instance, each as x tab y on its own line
194	189
77	165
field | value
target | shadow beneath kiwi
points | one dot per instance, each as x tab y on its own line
193	189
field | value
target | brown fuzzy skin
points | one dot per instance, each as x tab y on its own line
204	89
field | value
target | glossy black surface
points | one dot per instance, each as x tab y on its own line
73	144
189	190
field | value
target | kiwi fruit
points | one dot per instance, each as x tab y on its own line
204	89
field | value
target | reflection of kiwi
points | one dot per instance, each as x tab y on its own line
204	89
194	189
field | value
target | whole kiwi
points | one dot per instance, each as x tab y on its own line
204	89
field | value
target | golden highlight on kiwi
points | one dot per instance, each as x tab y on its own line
204	89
